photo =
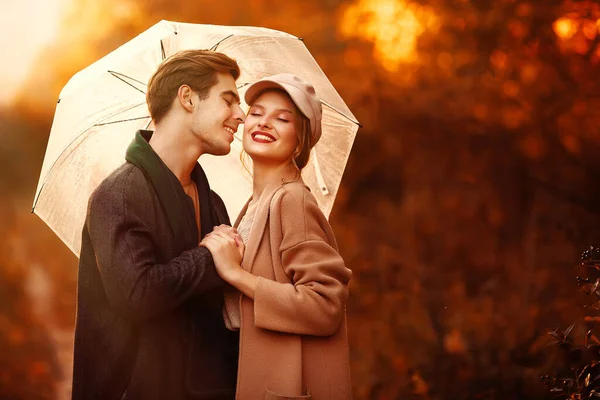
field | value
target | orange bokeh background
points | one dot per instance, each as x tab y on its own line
470	193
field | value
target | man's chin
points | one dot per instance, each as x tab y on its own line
221	151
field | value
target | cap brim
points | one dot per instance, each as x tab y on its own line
260	86
257	88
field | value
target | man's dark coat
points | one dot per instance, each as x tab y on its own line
149	301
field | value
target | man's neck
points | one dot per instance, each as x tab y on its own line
177	149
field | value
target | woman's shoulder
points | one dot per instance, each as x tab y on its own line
300	215
297	186
297	195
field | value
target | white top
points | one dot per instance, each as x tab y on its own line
231	306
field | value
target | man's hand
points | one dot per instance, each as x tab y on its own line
228	230
232	233
227	251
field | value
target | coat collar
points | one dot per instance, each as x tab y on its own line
261	217
176	204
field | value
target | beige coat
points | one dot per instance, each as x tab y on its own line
293	342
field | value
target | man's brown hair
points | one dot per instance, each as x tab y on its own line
196	68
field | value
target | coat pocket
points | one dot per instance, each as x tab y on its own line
269	395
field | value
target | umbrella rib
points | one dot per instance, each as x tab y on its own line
121	120
214	48
341	113
128	77
162	47
115	114
70	143
119	76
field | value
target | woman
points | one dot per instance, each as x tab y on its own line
291	284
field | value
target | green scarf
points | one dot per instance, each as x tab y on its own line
176	204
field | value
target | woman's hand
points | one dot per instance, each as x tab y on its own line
231	232
227	250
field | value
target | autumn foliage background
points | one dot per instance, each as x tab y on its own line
470	193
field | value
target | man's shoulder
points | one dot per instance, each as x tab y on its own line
216	198
125	179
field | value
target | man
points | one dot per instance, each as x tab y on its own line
149	304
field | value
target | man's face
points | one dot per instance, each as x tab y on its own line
216	118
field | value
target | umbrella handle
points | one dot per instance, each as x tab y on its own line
319	175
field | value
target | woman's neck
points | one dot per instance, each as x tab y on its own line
266	174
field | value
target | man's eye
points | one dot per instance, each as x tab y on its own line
255	114
229	103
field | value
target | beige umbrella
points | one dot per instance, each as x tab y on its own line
102	106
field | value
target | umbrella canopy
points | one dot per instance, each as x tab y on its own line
102	106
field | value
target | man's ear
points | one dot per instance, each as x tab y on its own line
185	95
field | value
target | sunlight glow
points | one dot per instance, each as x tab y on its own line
565	27
392	25
28	27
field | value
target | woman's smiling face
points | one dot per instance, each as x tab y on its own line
271	128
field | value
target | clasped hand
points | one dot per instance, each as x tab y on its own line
227	250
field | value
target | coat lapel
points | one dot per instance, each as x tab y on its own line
208	217
258	225
241	214
176	204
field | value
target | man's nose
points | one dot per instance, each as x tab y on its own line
240	116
